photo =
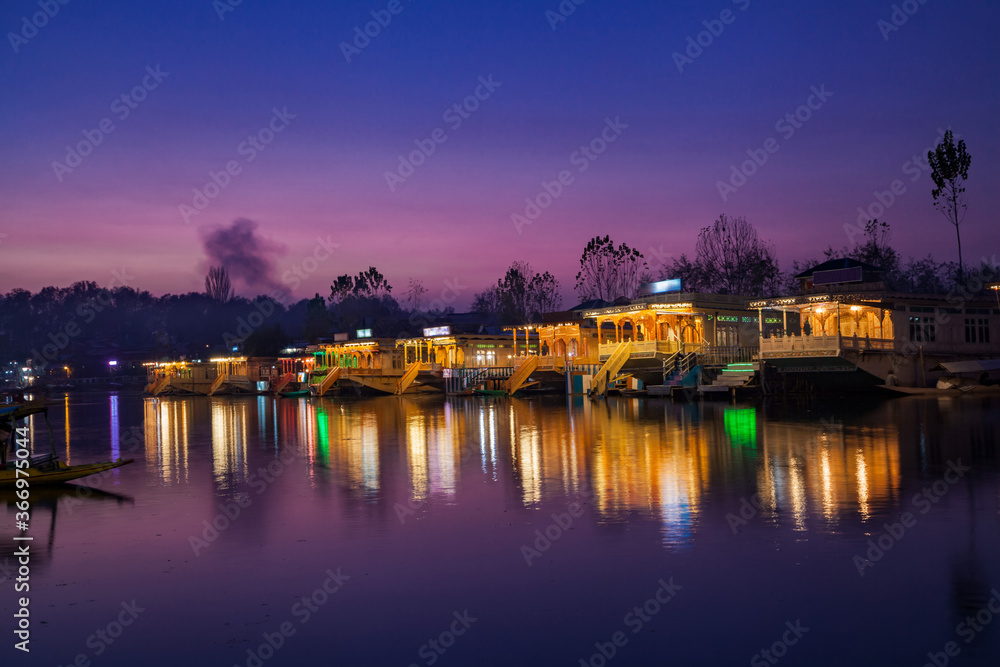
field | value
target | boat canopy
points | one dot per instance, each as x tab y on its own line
979	366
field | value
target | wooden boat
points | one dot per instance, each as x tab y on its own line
295	394
960	390
43	470
54	471
489	392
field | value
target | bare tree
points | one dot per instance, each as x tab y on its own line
415	294
949	169
607	272
734	259
217	284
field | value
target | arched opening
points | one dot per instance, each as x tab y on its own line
628	331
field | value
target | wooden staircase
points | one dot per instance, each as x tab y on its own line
610	369
328	381
521	374
283	382
408	377
733	376
157	386
219	381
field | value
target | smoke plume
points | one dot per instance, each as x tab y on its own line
247	256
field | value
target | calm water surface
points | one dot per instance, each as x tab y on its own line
517	532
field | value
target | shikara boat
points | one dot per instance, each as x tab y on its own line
295	394
41	470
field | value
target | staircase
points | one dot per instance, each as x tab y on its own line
733	375
679	366
408	377
609	370
283	382
157	386
219	381
521	374
328	380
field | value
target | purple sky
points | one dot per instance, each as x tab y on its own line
324	174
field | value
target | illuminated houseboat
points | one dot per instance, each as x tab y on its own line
846	330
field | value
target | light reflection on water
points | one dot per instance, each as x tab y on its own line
660	486
655	462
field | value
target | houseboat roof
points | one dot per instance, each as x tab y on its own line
835	264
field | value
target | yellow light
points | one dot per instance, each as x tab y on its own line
855	308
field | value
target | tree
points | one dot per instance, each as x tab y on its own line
520	296
342	288
690	273
217	285
734	259
317	321
371	283
607	272
950	168
414	295
543	293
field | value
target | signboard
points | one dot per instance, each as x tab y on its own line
364	333
339	338
437	331
662	287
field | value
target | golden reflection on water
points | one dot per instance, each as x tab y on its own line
627	457
168	436
229	442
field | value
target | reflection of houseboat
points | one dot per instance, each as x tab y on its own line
846	330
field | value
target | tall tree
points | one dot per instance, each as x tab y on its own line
342	288
949	169
735	260
217	285
607	272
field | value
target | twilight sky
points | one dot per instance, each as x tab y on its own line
278	71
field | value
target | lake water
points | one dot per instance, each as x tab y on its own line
420	531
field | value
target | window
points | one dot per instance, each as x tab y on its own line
922	329
977	330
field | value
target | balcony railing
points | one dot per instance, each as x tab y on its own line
798	344
648	348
